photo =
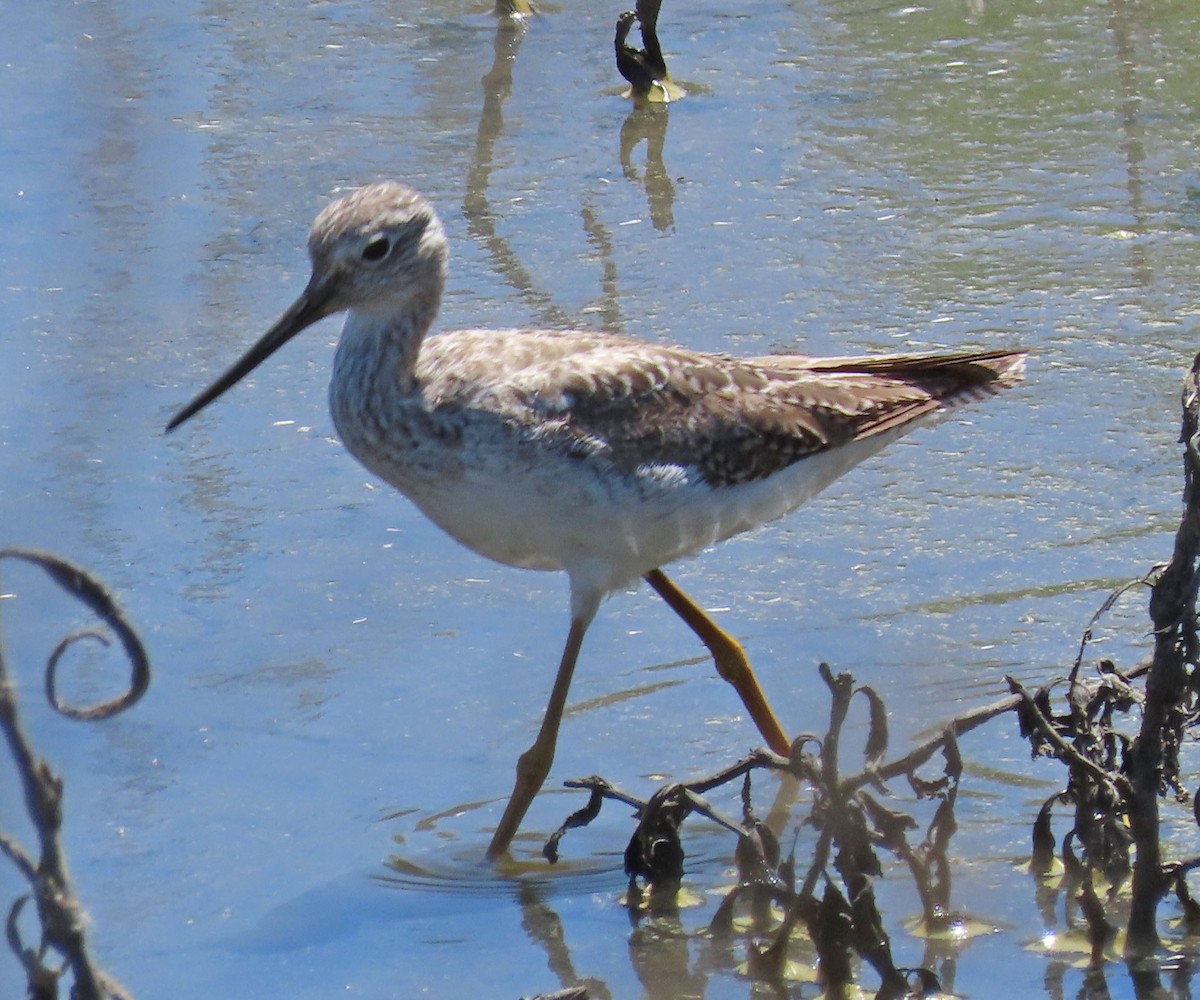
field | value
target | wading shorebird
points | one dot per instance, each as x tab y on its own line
591	453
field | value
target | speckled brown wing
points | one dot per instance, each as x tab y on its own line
732	419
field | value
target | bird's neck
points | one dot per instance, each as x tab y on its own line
378	349
373	376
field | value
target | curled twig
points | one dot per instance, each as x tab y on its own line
81	585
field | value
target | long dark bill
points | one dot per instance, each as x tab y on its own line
312	305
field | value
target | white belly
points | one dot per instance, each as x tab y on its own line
563	514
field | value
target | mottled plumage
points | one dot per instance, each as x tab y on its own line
596	454
731	419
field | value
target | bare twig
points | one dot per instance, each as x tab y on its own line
1117	783
1109	602
59	911
86	589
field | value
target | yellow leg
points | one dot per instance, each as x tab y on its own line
729	658
534	764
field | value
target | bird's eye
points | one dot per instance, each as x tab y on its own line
377	249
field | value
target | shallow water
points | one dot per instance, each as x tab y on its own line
299	805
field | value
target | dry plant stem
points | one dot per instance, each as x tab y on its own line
1118	785
840	922
1110	601
83	587
61	915
920	755
1173	614
957	726
59	911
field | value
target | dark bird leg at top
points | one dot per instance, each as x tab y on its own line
645	68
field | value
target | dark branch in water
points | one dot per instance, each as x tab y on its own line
1115	782
63	946
1153	758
